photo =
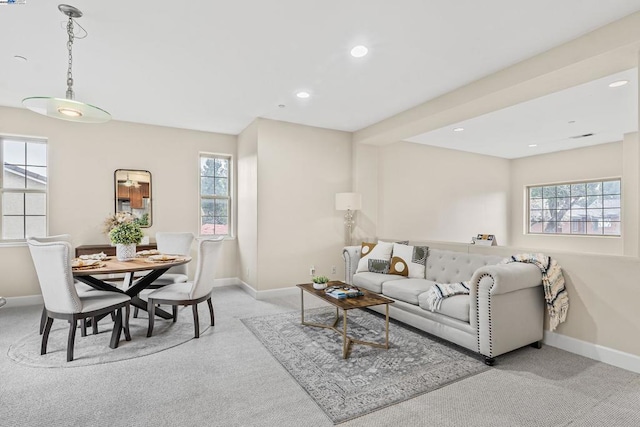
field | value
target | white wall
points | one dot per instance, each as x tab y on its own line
82	160
431	193
300	169
596	162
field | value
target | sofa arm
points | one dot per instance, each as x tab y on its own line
505	278
507	307
351	255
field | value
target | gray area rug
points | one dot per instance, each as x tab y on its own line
371	378
94	349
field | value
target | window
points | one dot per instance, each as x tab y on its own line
215	199
23	187
587	208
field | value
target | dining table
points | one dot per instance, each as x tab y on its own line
94	276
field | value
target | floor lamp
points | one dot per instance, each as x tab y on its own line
348	202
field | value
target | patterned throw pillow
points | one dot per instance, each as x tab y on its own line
380	251
409	261
380	266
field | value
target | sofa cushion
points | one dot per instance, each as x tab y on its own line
378	251
456	306
452	267
373	281
409	260
406	290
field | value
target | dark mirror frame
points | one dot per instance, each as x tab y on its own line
137	192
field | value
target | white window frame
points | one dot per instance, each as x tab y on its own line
228	197
528	210
3	190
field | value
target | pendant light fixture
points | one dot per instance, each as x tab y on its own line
67	108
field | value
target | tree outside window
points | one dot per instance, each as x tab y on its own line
215	212
586	208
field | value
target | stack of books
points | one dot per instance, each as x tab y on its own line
343	292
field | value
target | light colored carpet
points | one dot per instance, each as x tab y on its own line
371	378
228	378
94	349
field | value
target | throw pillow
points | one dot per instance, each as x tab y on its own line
380	266
409	261
379	251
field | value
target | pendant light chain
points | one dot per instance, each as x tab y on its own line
69	47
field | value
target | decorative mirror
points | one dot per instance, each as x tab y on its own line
133	194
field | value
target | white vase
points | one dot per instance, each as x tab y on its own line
125	252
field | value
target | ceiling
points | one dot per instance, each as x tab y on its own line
217	65
550	123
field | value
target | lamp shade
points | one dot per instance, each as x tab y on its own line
348	201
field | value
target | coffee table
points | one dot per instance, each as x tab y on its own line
367	300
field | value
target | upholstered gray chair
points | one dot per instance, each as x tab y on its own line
190	293
175	244
81	288
52	260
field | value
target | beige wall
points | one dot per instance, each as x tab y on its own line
596	162
439	194
365	178
599	279
82	160
631	194
300	169
248	205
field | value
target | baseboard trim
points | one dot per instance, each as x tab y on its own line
597	352
37	299
24	301
248	289
229	281
271	293
274	293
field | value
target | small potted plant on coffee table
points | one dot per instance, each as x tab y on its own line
320	282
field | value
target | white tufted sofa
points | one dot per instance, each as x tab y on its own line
504	311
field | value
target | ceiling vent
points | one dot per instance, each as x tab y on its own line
586	135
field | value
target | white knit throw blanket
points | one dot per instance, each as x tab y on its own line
439	291
555	293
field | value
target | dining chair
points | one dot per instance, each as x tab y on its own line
190	293
81	288
174	243
52	261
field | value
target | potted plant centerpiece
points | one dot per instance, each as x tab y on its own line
125	233
320	282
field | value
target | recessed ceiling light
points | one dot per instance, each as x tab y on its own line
281	106
533	145
303	95
571	122
618	83
20	58
359	51
458	129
